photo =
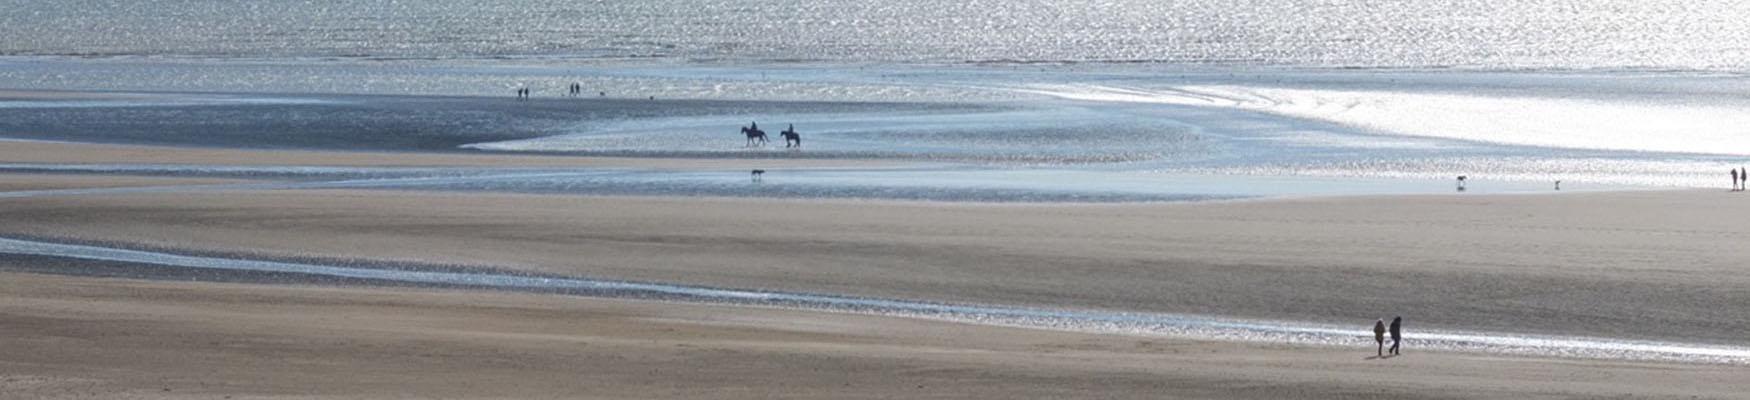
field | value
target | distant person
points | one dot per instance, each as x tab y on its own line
1735	180
1379	335
1397	333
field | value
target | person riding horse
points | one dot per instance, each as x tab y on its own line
790	135
755	136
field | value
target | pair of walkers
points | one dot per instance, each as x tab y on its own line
1740	179
1397	334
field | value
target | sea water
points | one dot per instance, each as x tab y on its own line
1489	34
986	101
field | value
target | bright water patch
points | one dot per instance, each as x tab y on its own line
1670	124
1097	321
1493	34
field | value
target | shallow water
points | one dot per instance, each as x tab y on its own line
1117	134
1169	325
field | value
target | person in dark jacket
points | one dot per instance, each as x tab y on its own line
1397	333
1379	335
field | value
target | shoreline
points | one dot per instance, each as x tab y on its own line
375	261
802	179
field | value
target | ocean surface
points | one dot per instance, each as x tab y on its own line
1488	34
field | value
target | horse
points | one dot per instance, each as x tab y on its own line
790	136
755	137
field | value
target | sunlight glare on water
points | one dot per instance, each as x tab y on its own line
1494	34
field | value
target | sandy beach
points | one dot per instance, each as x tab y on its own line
1534	264
1646	265
89	337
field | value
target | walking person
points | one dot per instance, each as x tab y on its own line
1379	335
1735	180
1397	333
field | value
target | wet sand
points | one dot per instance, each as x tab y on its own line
45	152
40	95
1646	265
71	337
22	182
371	122
1660	267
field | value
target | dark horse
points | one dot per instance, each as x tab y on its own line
755	136
790	136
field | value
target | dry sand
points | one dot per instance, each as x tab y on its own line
68	337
